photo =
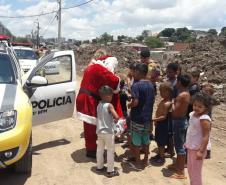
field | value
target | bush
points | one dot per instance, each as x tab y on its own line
154	42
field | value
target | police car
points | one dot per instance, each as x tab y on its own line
27	57
35	98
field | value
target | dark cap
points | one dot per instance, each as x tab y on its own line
145	53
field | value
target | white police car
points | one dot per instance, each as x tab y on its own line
27	57
35	98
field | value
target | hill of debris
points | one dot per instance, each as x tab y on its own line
124	55
208	55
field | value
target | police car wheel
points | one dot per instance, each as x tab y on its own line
24	165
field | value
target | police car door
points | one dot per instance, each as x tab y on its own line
51	87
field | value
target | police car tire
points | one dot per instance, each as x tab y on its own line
24	165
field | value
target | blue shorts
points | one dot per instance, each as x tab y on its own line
140	134
161	133
180	129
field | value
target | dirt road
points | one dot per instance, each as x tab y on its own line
59	159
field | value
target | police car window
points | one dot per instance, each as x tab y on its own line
26	54
57	70
6	70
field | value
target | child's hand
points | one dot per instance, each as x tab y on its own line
154	121
116	120
129	98
129	106
199	155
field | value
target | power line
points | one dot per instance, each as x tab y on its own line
75	6
27	16
43	14
50	23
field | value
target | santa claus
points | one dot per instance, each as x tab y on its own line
99	72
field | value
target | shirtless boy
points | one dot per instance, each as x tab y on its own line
180	107
161	121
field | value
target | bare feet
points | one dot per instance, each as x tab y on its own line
178	175
172	167
139	165
145	162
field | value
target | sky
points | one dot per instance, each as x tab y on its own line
116	17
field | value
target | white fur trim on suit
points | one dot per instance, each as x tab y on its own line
86	118
111	63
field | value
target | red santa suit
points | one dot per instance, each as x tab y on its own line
97	74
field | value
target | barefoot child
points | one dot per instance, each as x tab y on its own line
179	111
172	70
161	120
106	116
141	113
198	136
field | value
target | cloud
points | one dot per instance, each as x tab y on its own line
116	17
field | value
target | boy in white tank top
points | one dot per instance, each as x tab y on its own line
106	116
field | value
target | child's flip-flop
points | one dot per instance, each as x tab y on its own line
178	176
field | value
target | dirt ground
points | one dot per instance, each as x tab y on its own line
59	159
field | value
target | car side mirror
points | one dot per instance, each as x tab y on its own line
38	81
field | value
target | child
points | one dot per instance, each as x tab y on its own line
141	113
124	97
127	97
171	73
172	70
209	90
161	120
179	118
193	88
197	136
106	116
194	85
130	76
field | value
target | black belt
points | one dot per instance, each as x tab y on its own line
90	93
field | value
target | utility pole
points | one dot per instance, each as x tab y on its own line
37	39
59	25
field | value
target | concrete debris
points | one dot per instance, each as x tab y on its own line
208	55
124	55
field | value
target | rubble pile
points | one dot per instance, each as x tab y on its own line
124	55
208	55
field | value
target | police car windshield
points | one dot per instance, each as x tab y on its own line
26	54
6	70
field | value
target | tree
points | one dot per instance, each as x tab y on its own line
121	38
140	38
223	31
167	32
94	41
146	33
86	42
212	31
153	42
21	39
105	38
183	34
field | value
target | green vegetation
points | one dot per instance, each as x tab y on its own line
167	32
20	39
178	35
212	31
154	42
223	31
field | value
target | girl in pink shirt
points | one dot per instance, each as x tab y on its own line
197	136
